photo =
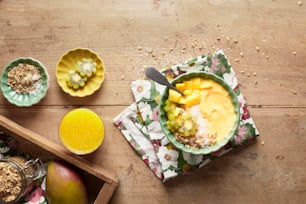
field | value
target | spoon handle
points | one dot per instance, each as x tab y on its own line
156	76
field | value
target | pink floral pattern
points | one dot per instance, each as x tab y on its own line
245	112
239	139
155	114
214	65
36	197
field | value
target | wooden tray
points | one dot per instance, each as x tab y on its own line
100	183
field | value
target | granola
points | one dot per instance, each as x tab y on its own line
197	141
24	78
10	182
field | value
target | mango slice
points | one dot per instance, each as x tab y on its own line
174	96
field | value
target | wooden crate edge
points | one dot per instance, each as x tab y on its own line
57	150
106	193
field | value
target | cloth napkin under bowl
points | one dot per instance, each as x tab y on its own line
139	123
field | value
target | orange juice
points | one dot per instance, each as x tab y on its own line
81	131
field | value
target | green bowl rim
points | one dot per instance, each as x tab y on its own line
77	94
31	61
163	117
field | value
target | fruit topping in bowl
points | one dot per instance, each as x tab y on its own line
75	80
87	67
78	77
204	116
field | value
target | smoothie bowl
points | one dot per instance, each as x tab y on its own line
205	118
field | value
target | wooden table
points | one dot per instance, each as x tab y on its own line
133	34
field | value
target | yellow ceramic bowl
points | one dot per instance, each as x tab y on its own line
68	62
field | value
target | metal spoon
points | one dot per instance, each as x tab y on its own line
156	76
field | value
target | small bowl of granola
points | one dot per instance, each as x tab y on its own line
24	81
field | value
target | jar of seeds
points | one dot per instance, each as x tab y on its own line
17	176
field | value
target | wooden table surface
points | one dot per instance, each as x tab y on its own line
272	170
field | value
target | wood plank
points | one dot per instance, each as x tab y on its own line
124	33
283	72
106	193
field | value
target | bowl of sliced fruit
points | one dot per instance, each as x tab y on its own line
80	72
202	120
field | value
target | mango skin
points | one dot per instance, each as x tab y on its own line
63	185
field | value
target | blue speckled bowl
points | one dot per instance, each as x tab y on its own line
25	99
163	115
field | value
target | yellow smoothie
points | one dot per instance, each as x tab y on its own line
217	108
81	131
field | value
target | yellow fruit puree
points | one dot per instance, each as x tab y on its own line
211	105
81	131
217	108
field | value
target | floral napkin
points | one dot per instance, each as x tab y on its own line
9	147
140	126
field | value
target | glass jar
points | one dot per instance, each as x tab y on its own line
17	176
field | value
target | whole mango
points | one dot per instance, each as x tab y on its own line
64	185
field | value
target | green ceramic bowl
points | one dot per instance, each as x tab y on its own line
25	99
163	115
